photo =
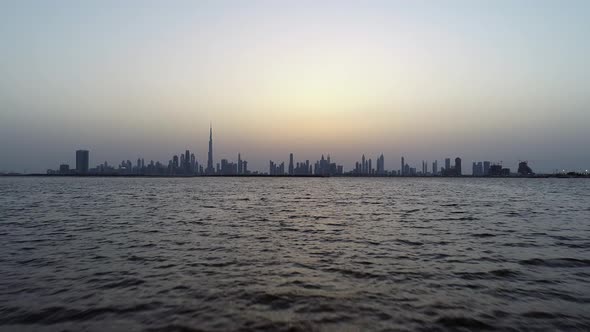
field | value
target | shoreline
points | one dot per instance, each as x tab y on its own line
539	176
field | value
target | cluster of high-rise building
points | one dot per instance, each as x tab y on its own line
487	168
276	169
322	167
186	164
183	164
365	167
447	170
481	168
454	170
299	168
325	167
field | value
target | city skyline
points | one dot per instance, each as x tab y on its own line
504	81
188	164
288	166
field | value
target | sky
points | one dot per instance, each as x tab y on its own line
482	80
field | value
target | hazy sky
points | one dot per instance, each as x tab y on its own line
484	80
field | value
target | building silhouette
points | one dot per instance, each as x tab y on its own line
64	169
228	168
325	167
486	168
381	165
240	164
424	167
524	169
403	169
458	171
210	170
274	169
82	161
193	164
498	170
291	166
175	163
186	164
477	169
302	168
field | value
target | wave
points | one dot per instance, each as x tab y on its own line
557	262
54	315
456	322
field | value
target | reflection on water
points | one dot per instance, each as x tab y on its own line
294	254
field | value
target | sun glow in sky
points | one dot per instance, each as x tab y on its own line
502	80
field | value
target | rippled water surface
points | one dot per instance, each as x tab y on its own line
281	254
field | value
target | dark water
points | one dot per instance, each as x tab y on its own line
226	254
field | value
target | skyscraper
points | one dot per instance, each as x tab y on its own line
447	164
364	165
193	164
458	166
291	169
240	164
486	168
187	162
175	162
403	169
82	161
381	165
210	169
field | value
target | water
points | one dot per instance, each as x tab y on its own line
280	254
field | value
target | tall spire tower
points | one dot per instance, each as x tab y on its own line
210	169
